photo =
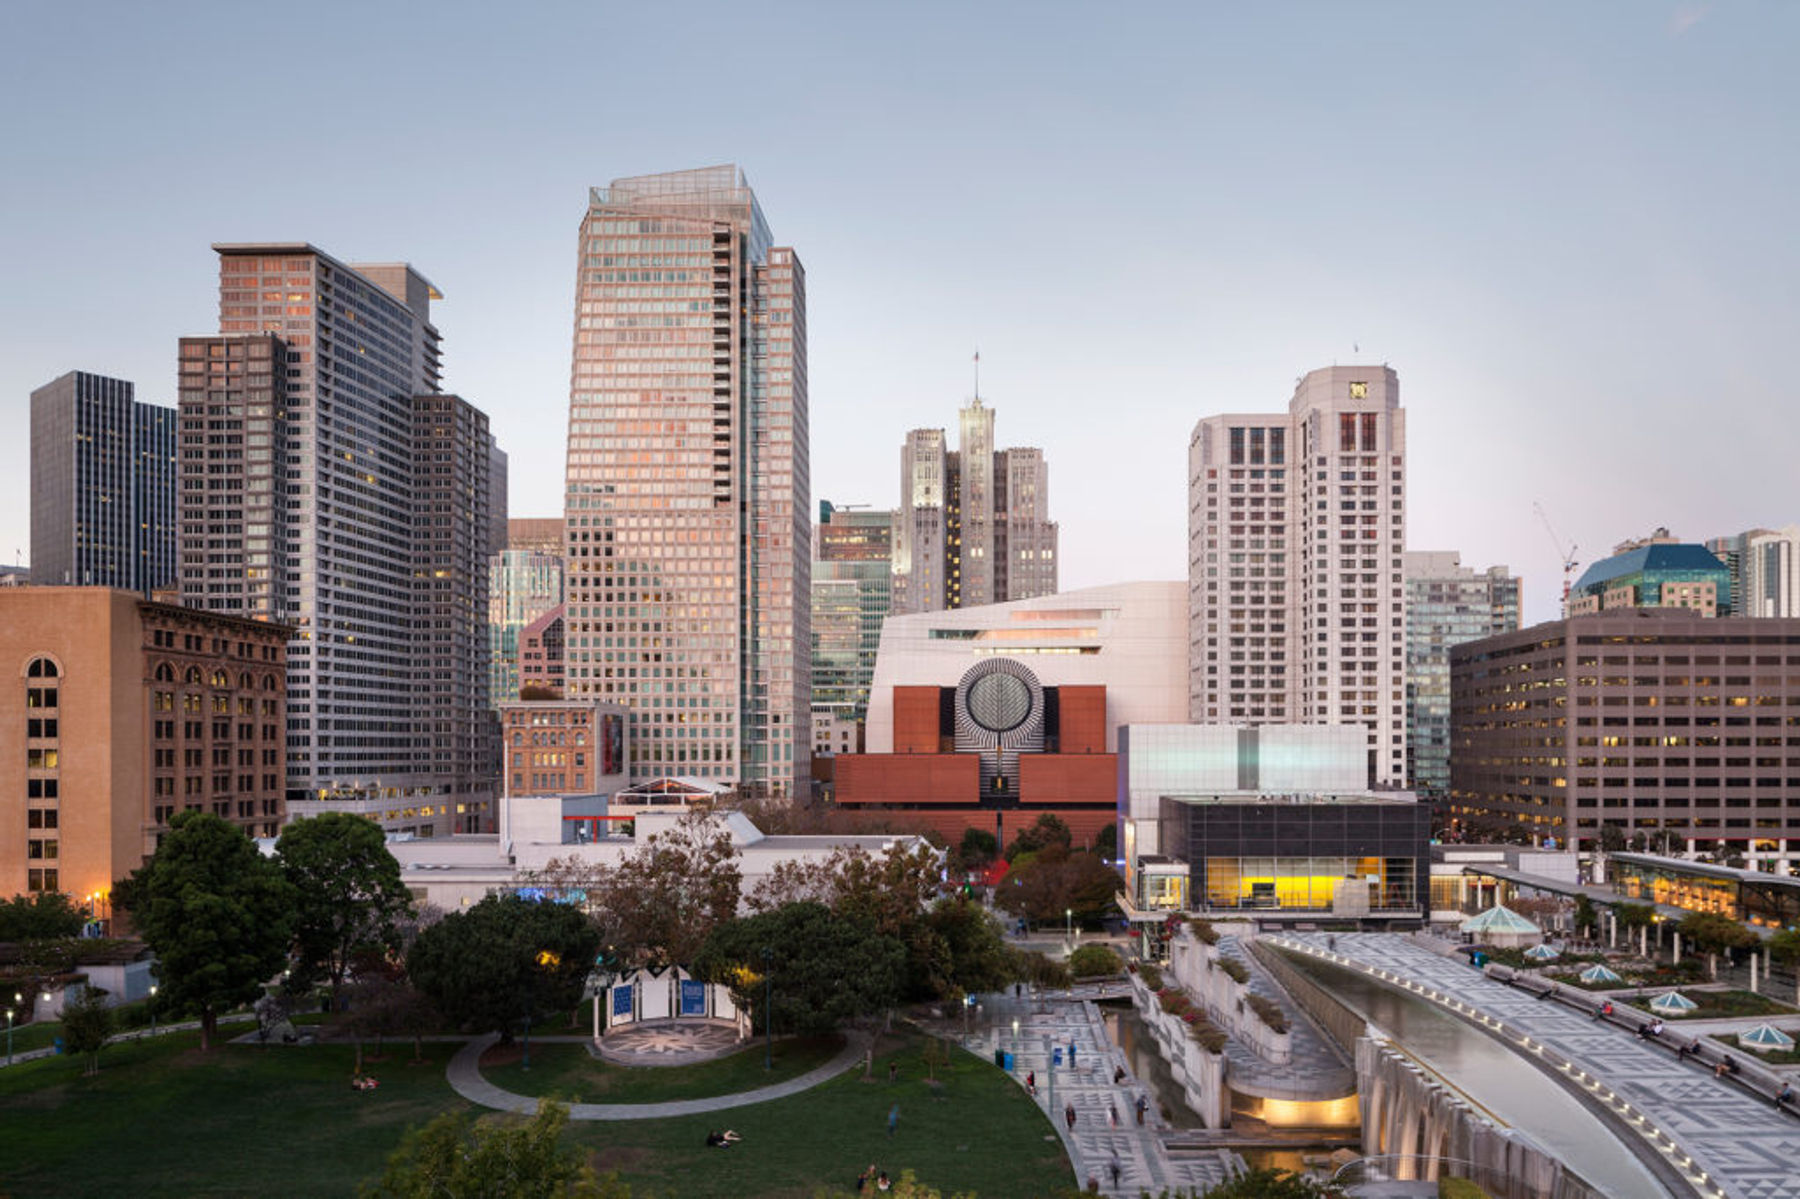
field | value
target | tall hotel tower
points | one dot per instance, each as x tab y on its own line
327	485
1297	596
688	521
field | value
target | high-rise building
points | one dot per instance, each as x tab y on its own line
120	712
973	526
688	518
1657	571
525	580
1765	570
1446	605
543	655
852	592
1297	604
327	484
102	486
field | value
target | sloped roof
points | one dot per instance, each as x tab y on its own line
1499	919
1672	1001
1542	953
1598	974
1650	557
1766	1034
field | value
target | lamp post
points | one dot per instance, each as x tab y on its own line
1015	1033
153	1009
768	1008
525	1064
9	1020
1069	923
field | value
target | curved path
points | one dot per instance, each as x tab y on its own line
465	1078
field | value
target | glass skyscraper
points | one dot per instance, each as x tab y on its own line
688	514
1447	604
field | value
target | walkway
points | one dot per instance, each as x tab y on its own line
1145	1163
1317	1069
465	1078
1746	1148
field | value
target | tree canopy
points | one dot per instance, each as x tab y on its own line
1047	831
217	914
1710	932
495	1158
87	1023
489	967
41	917
825	969
348	897
1048	883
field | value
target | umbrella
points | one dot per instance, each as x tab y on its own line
1672	1003
1599	974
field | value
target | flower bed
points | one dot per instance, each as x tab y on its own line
1234	970
1269	1011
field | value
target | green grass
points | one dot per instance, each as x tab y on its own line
571	1073
1460	1188
1720	1004
978	1132
163	1119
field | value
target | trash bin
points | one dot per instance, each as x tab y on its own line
1056	1056
59	1047
1000	1057
1008	1060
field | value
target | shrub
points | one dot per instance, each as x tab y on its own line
1205	931
1235	970
1175	1002
1208	1036
1092	961
1269	1012
1152	976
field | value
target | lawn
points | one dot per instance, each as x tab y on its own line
163	1119
1720	1004
571	1073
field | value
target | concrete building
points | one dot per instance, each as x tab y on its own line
543	654
525	580
1765	570
973	526
1651	720
1655	572
564	748
987	717
1296	598
102	486
852	592
316	444
688	515
117	713
1446	604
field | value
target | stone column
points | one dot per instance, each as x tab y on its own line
1677	942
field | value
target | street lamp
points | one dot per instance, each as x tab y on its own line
1015	1033
9	1020
768	1009
1069	922
153	1009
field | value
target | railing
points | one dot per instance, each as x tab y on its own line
1343	1025
1402	1167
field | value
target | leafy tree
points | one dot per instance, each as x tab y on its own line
496	1158
1269	1183
1048	830
826	969
1092	961
1784	946
1634	916
974	956
41	917
1039	969
660	902
502	960
1107	843
87	1023
978	846
348	895
1045	886
1587	919
217	914
1612	838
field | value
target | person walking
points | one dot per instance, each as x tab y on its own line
1031	1083
1112	1112
1117	1167
1143	1105
1069	1115
893	1119
1071	1053
893	1070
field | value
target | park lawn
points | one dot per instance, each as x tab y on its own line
1720	1004
570	1073
161	1118
980	1133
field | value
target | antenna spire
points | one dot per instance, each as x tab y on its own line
977	374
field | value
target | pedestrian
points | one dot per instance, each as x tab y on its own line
893	1119
1071	1053
1031	1083
1118	1075
1112	1112
1143	1105
893	1070
1787	1093
1069	1115
1018	990
1117	1167
1331	942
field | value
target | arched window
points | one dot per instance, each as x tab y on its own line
220	679
268	682
192	676
165	673
245	682
41	668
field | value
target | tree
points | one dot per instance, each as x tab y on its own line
1634	916
1612	838
1713	934
348	895
497	1158
504	960
1784	947
87	1023
825	969
216	913
1093	961
974	957
1269	1183
1049	830
1107	843
977	847
660	902
1587	919
41	917
1051	882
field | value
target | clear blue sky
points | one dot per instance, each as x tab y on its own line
1569	227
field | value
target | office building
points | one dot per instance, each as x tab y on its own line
374	544
852	592
974	523
102	486
525	580
1764	565
118	713
688	520
563	747
1297	603
1650	720
1446	604
1655	572
543	669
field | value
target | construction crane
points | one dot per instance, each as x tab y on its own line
1569	561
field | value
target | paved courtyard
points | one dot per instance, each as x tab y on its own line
1742	1143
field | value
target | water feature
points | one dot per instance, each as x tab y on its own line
1145	1061
1496	1078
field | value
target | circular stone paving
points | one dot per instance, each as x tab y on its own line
674	1044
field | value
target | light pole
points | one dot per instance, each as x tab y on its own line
9	1020
768	1008
1015	1034
153	1009
526	1063
1069	923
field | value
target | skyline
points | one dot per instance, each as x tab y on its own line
1169	218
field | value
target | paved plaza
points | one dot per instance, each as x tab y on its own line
1744	1145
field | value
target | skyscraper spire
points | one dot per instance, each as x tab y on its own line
978	376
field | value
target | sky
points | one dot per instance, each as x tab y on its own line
1569	228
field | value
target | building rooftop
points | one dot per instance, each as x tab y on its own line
1659	557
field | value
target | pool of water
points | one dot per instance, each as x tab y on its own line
1146	1063
1497	1079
